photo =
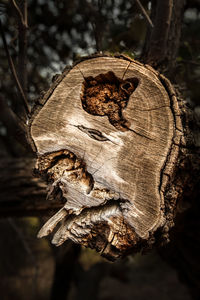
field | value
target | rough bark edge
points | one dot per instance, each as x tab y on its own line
168	171
179	188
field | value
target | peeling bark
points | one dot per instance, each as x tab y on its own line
109	136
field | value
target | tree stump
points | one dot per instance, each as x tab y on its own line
109	139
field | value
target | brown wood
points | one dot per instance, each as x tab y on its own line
108	135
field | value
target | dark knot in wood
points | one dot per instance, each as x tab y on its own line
107	95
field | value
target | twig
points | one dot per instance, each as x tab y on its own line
145	14
22	42
25	14
13	71
19	14
22	20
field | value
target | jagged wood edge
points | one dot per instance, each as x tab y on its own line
181	161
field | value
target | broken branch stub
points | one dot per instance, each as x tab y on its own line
107	137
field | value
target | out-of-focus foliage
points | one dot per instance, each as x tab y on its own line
60	31
189	53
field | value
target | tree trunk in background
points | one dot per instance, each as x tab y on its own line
66	258
162	42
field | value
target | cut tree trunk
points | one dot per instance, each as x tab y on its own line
112	141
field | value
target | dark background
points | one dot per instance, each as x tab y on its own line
59	32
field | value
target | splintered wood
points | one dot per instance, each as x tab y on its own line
104	135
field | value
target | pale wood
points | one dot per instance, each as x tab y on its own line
115	197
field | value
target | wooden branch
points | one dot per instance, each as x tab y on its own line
22	39
13	71
109	138
20	15
159	36
21	194
145	14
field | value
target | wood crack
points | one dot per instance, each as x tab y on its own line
126	70
142	135
92	133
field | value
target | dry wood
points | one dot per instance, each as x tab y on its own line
108	135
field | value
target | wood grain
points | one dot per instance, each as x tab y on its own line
113	181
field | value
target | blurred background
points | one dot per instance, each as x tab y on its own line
59	32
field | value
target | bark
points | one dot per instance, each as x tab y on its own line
162	41
115	151
183	250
